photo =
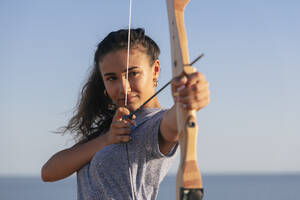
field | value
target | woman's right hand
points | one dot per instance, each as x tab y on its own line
120	128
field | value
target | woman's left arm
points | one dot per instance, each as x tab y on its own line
192	93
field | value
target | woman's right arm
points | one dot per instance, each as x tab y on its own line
68	161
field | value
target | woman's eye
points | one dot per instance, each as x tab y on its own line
111	78
133	73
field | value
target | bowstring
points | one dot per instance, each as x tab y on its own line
128	51
126	86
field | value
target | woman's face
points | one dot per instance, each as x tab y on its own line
141	76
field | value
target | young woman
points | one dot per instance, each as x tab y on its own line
116	157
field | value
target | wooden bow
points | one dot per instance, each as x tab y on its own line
188	179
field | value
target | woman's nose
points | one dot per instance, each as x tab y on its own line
124	85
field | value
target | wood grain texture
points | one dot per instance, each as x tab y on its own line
188	174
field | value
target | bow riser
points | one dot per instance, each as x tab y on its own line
179	48
188	180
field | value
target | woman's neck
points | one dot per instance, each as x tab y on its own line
153	104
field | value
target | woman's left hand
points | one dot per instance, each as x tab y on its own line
191	91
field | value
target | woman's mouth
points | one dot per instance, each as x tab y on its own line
130	99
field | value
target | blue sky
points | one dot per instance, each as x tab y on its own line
251	61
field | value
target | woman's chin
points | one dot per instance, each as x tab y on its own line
130	106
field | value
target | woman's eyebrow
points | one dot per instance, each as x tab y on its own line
132	68
129	69
110	74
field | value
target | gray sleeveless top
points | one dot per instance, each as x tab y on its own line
106	176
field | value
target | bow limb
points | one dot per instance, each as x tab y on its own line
188	179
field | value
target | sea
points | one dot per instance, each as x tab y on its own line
216	187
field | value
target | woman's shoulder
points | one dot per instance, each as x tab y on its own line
149	112
148	115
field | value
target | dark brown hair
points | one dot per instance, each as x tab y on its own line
95	110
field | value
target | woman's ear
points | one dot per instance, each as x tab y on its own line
156	69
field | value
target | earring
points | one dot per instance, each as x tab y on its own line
105	93
155	82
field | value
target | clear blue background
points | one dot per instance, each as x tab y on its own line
251	61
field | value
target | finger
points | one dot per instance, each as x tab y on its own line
196	105
195	89
194	78
124	138
178	81
122	131
195	97
120	124
120	112
203	103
